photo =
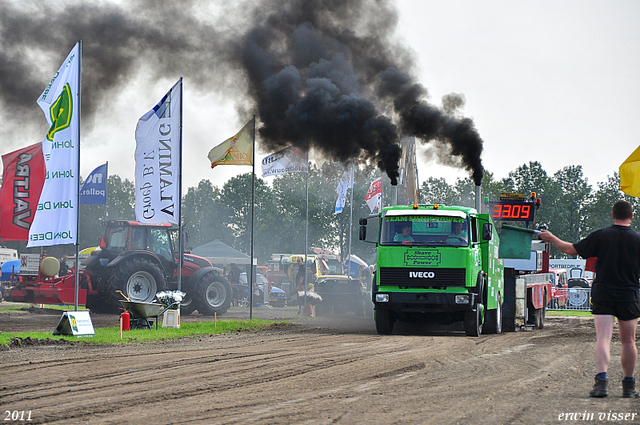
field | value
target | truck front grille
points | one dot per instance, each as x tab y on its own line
427	277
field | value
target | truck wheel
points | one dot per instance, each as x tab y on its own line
187	306
384	321
212	294
139	279
473	321
494	319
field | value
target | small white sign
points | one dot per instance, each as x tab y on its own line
76	323
29	264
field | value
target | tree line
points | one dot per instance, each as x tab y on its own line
570	207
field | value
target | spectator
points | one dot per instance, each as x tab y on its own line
64	267
615	292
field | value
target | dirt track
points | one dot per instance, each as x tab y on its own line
313	370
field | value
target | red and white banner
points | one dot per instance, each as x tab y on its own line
374	195
22	180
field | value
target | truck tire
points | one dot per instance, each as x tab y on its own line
384	321
473	321
187	306
473	317
139	278
494	319
212	294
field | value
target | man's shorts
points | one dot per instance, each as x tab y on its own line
621	310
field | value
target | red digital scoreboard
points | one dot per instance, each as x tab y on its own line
512	211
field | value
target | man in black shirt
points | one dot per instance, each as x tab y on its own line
614	292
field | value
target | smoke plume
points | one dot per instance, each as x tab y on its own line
319	74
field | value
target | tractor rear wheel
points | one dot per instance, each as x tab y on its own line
212	294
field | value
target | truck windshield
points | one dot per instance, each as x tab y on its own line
425	230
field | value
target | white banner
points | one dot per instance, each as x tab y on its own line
158	156
288	160
56	218
346	182
374	195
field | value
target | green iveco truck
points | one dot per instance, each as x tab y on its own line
436	264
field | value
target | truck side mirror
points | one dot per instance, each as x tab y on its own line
363	231
487	231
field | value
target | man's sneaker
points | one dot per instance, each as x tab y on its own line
629	390
599	388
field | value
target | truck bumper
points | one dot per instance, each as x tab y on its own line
411	302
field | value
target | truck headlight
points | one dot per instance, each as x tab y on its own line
382	298
462	299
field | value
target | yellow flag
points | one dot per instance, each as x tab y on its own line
237	150
630	174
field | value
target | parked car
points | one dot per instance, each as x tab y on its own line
340	295
277	297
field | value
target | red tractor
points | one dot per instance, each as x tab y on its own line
138	260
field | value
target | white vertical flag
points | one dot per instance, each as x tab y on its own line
56	218
158	151
374	195
346	182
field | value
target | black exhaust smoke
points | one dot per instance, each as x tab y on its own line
319	74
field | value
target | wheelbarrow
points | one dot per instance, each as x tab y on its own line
140	313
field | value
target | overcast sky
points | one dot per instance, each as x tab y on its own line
549	81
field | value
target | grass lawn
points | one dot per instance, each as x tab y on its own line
113	336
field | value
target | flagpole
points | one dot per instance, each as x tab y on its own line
77	267
253	194
180	241
106	185
306	243
350	221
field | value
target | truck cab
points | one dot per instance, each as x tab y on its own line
435	264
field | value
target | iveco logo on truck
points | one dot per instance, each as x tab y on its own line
422	275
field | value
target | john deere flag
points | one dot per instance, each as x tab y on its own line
22	181
94	189
237	150
288	160
630	174
56	218
374	195
158	156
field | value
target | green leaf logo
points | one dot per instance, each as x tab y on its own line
61	112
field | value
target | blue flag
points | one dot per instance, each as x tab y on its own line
94	189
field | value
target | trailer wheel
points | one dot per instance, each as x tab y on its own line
384	321
494	319
139	279
212	294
